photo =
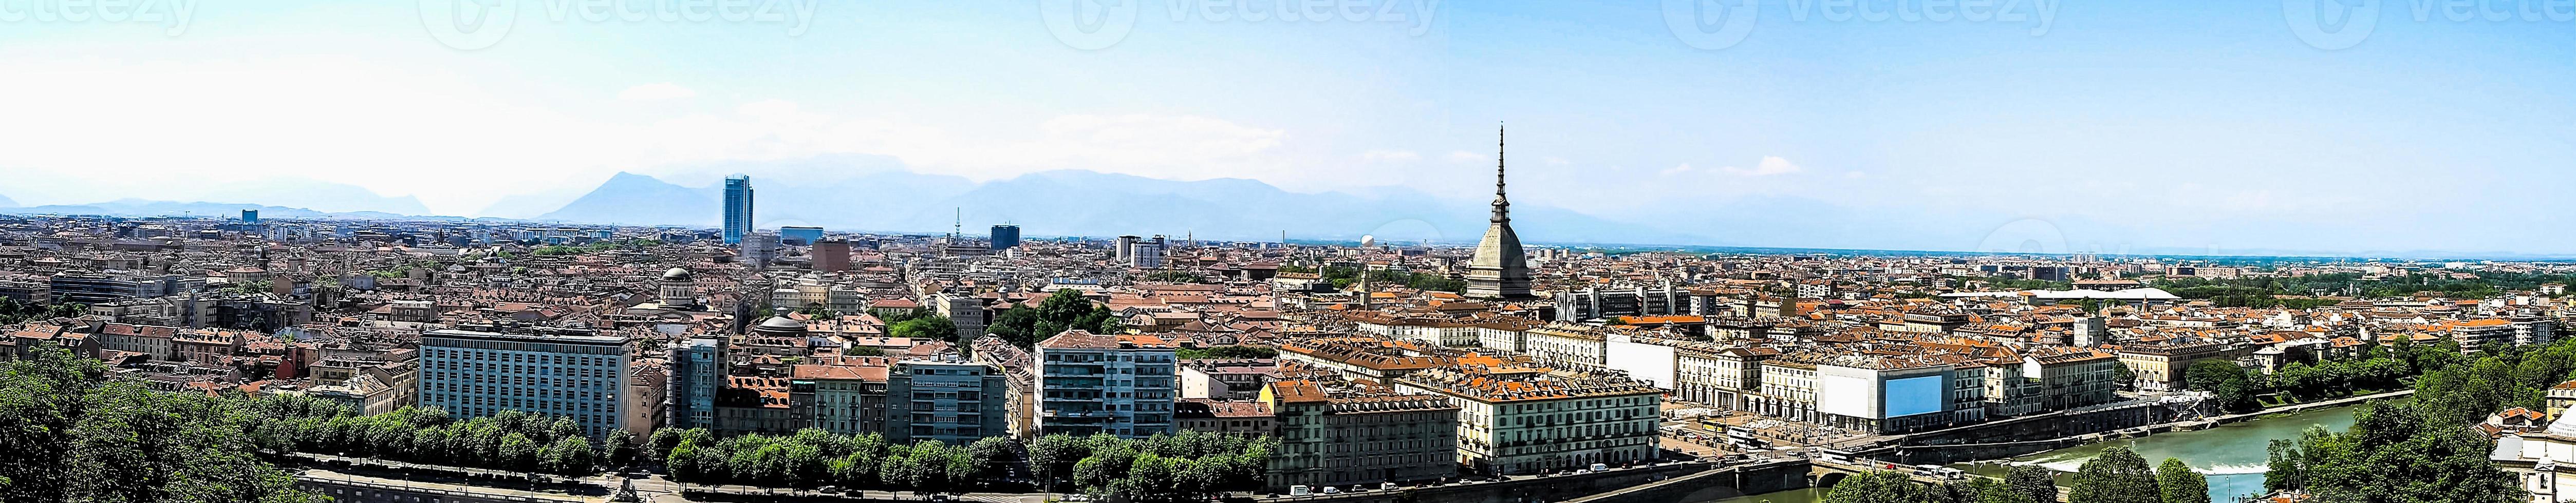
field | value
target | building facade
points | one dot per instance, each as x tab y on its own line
476	374
697	371
1526	420
955	403
1117	384
1347	437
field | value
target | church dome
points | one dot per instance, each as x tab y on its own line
676	274
781	324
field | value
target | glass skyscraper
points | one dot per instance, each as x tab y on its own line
737	208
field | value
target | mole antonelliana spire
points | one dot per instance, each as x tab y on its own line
1499	270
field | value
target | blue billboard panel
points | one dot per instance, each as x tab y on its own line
1914	395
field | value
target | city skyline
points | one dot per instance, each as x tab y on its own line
1258	251
2203	127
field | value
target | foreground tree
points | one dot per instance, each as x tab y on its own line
2035	484
2118	475
69	435
2180	484
2396	452
1878	487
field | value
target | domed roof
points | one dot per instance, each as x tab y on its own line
781	324
676	274
2565	425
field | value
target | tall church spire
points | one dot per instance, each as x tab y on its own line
1498	270
1502	207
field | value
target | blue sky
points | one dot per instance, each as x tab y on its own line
2105	126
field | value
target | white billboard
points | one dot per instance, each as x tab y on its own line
1652	363
1847	391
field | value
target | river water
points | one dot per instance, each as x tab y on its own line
2233	455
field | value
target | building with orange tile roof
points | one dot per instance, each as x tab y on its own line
1332	433
1122	385
1522	420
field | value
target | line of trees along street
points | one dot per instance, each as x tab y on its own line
1158	468
814	458
509	440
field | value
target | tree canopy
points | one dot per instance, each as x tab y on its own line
1024	325
72	435
2394	452
2118	475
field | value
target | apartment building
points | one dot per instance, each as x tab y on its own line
1117	384
1597	302
1228	417
1333	435
696	369
2159	364
952	402
1717	376
844	399
1520	420
576	375
1570	344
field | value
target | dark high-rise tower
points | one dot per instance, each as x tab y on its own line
1005	236
1499	270
737	208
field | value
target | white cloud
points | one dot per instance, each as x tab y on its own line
1162	146
1768	167
1773	165
404	131
1465	156
657	91
1390	156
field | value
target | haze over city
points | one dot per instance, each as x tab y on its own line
2120	127
1287	251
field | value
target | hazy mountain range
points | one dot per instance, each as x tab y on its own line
143	207
864	193
878	194
1085	203
5	202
